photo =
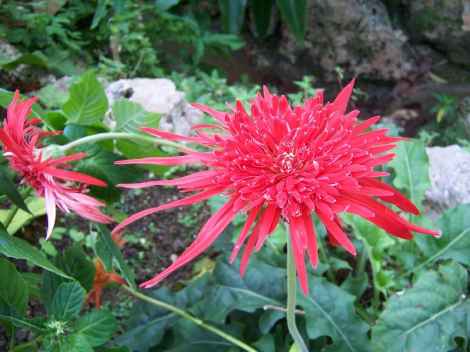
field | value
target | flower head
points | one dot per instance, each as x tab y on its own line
48	176
280	162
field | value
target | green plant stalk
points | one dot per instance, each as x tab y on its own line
99	137
291	298
188	316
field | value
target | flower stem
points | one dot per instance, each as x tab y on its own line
119	135
291	298
188	316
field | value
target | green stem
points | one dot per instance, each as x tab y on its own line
119	135
291	298
188	316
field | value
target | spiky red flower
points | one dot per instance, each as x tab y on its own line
47	175
281	162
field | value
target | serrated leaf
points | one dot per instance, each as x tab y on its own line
455	240
87	101
131	117
426	317
329	311
111	255
294	13
67	301
74	343
262	12
8	188
97	327
36	209
15	293
411	170
13	247
233	14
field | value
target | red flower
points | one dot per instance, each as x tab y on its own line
281	162
47	175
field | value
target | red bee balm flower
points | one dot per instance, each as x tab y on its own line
281	162
20	138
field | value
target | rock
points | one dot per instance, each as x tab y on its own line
444	24
450	176
356	35
159	96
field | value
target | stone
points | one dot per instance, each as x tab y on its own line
444	24
355	35
449	172
158	95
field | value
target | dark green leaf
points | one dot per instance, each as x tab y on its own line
75	263
97	327
8	188
266	344
233	14
87	102
67	301
100	13
111	255
34	59
329	311
455	240
131	117
426	317
16	248
411	170
294	13
15	293
22	323
164	5
262	12
74	343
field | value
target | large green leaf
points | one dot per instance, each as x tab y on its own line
35	59
16	248
262	12
67	301
411	170
455	240
8	188
131	117
329	311
258	288
15	293
426	317
294	13
111	255
97	326
233	14
87	102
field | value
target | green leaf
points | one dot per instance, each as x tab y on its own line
16	248
74	343
6	97
294	13
75	263
329	311
258	288
165	5
262	12
87	102
97	327
111	255
455	240
131	117
233	14
22	322
8	188
411	170
100	13
67	301
426	317
15	293
22	218
34	59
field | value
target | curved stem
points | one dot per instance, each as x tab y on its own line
120	135
188	316
291	298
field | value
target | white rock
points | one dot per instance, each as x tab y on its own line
450	176
160	96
